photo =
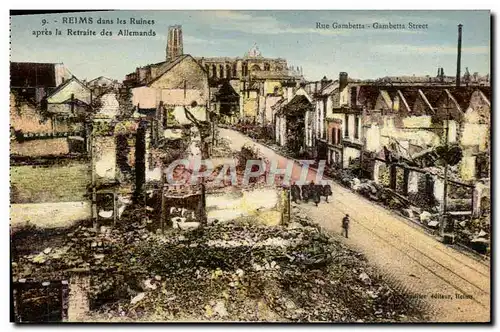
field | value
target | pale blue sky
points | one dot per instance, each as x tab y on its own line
292	35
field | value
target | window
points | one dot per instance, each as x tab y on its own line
267	67
245	68
221	69
356	127
235	69
323	117
346	126
255	67
339	136
228	71
334	136
482	166
214	71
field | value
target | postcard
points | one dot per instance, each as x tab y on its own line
250	166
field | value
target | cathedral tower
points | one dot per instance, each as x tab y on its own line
174	42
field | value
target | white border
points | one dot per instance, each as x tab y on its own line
214	4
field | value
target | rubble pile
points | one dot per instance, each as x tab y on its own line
236	271
221	149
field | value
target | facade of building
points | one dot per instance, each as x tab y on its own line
101	85
294	122
69	99
356	117
257	80
178	84
338	134
35	81
49	166
45	118
225	102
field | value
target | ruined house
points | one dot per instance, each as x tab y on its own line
294	121
49	160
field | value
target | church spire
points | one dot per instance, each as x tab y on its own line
174	42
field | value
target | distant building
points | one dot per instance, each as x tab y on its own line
101	85
34	81
175	45
49	169
252	76
293	121
176	84
439	79
47	110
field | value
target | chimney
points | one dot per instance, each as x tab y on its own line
342	80
459	54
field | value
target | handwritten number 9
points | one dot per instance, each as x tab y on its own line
44	21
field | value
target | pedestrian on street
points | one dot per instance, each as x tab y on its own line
327	191
305	193
295	191
316	196
345	226
311	188
318	190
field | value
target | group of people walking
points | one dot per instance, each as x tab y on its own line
310	191
314	192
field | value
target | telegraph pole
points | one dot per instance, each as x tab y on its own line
93	174
445	185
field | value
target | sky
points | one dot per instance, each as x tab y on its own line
363	53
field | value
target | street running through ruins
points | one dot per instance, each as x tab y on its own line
455	285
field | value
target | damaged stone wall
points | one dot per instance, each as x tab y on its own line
52	195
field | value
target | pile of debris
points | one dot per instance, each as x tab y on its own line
237	271
221	149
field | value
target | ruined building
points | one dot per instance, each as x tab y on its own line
256	79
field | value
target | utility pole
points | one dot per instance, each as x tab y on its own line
444	217
163	212
445	186
93	171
